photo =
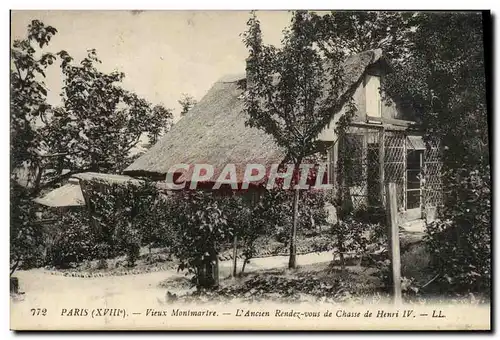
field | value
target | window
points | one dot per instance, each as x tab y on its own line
372	95
373	176
352	158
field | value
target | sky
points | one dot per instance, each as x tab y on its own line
162	53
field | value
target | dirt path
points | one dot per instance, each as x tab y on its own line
39	286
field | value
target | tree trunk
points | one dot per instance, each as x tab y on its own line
244	265
340	246
235	254
216	272
38	179
14	285
292	262
14	267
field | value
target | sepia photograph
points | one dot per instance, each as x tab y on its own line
250	170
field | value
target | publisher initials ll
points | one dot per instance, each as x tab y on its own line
438	314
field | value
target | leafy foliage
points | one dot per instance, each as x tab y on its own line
460	243
286	86
95	129
187	102
100	122
74	241
360	233
27	106
358	31
161	122
201	230
28	95
26	238
126	216
293	92
97	126
443	81
274	210
438	74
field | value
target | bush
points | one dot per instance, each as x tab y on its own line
133	251
126	217
274	211
460	243
74	241
26	236
201	229
358	238
102	264
123	217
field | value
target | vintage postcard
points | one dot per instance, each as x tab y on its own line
250	170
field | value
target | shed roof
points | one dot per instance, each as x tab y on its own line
108	178
68	195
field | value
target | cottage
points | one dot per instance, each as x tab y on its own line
382	143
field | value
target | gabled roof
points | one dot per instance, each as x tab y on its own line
214	131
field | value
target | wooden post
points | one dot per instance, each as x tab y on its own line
381	156
292	261
235	253
394	254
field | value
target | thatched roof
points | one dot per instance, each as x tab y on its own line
214	131
68	195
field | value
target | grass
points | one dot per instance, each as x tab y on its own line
320	282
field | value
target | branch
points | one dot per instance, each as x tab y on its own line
14	267
50	183
432	280
19	73
131	145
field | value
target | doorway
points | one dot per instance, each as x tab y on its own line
414	164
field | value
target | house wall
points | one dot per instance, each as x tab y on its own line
388	132
390	108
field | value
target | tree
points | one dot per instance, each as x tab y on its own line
161	122
95	128
28	96
443	80
100	122
293	92
187	102
27	105
358	31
